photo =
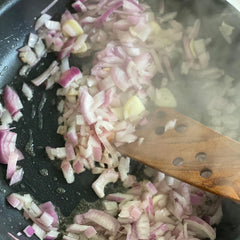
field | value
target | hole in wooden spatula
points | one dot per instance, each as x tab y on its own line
160	130
206	173
180	128
178	162
160	114
201	156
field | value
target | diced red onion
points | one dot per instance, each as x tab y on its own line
38	231
86	102
7	145
12	164
70	152
119	197
29	231
69	76
65	64
106	177
103	18
67	171
143	227
50	209
200	227
66	48
41	21
123	167
51	235
12	100
16	116
6	118
90	232
43	77
77	228
13	200
103	219
53	25
78	166
79	6
46	219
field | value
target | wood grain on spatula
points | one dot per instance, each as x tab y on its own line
190	152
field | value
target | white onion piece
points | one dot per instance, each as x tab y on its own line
27	91
50	209
143	227
32	40
200	227
53	25
39	48
6	118
7	145
41	21
123	167
103	219
53	234
226	31
65	64
46	219
90	232
38	231
106	177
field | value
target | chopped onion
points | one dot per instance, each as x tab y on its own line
67	171
43	77
49	208
41	21
69	76
200	227
103	219
7	145
40	233
12	163
32	40
29	231
106	177
12	100
27	91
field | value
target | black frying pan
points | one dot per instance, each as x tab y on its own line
16	22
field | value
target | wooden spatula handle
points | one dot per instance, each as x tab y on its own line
190	152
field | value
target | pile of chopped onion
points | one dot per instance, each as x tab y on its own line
44	217
101	109
9	154
163	209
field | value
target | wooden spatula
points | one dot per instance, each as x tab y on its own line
190	152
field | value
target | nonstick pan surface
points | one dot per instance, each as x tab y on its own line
16	22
